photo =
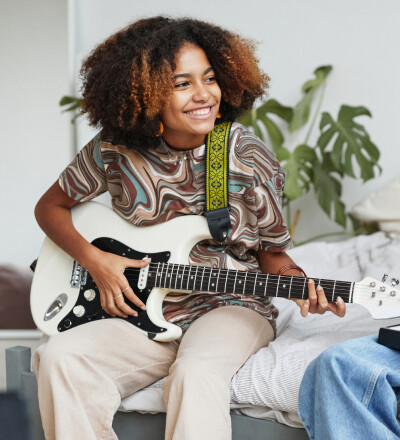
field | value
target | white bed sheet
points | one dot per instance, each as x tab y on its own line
268	383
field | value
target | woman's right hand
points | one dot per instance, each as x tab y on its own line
107	271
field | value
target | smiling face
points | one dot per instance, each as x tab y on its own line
191	111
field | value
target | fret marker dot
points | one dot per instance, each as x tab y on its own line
191	277
284	286
260	284
240	282
169	275
213	284
179	276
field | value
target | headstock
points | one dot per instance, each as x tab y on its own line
380	299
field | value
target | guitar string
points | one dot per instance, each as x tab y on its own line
273	278
233	276
271	284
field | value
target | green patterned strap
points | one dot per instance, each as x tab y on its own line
217	203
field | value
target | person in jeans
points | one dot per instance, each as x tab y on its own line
351	391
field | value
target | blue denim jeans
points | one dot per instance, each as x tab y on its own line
350	392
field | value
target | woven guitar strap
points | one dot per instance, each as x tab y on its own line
217	173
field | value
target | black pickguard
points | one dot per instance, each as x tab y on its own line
93	310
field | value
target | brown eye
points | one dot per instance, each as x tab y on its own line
181	84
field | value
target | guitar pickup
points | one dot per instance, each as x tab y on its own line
78	276
143	274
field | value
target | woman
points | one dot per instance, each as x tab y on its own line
156	88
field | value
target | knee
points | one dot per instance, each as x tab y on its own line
199	370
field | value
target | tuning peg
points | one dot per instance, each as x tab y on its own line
384	278
395	282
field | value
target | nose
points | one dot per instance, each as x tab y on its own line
200	93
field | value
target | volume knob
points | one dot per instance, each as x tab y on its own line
90	294
78	311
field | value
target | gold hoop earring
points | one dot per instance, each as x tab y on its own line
161	130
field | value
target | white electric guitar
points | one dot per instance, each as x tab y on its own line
63	294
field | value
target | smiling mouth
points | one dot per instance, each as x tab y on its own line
200	112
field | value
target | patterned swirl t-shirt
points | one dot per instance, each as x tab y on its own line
159	184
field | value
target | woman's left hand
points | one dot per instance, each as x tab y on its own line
317	302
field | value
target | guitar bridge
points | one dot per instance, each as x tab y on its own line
78	276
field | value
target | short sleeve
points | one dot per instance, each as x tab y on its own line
85	177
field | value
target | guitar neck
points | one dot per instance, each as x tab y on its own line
205	279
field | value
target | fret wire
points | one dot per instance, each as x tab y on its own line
170	278
244	282
195	277
234	285
176	278
226	279
216	284
266	283
290	287
160	275
277	286
165	275
190	269
182	277
209	280
157	276
304	288
333	291
202	276
255	284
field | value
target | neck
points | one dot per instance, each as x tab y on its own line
205	279
189	143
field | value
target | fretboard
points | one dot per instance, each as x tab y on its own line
205	279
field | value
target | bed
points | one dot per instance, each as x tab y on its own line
264	392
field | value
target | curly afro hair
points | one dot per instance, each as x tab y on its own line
128	79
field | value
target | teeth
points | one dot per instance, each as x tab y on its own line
200	112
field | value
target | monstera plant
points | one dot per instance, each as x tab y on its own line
318	164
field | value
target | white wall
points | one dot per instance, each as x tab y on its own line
35	136
358	37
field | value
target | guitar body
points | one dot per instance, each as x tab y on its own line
56	302
63	293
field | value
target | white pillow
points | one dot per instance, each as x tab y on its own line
382	207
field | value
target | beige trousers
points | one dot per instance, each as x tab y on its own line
84	372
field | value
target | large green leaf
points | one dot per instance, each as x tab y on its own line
302	110
273	106
298	165
253	119
328	189
350	140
